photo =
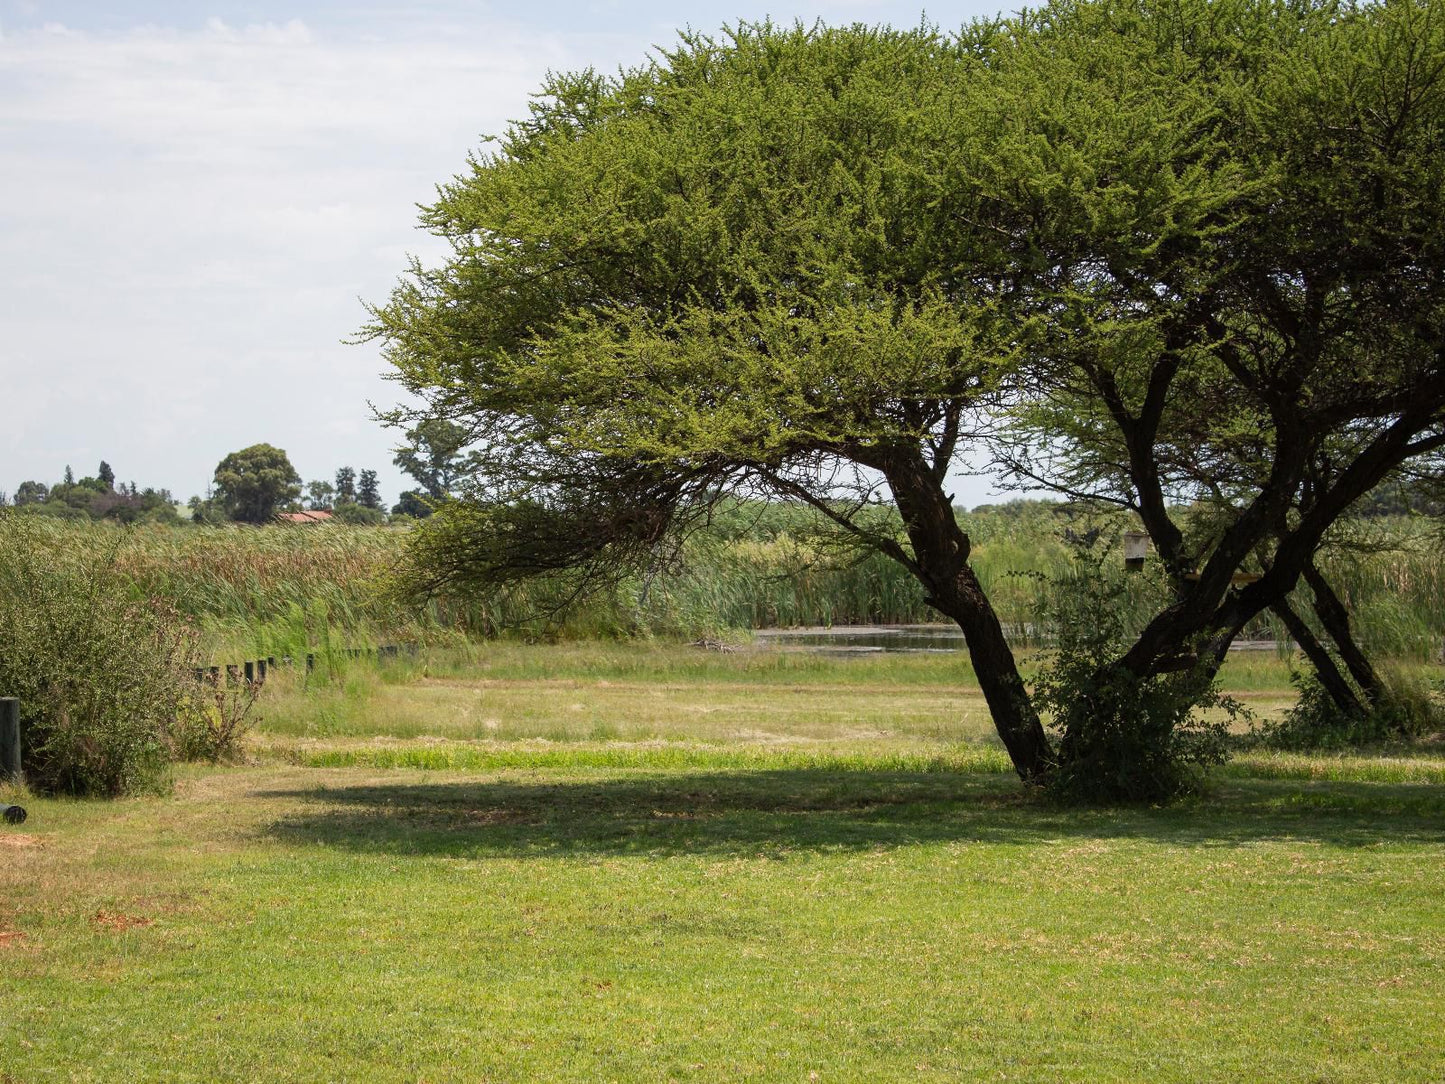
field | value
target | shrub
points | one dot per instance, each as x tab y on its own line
100	675
212	721
1121	738
1406	711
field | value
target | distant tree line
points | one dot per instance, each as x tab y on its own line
255	484
95	497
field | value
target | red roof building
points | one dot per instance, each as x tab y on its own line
303	517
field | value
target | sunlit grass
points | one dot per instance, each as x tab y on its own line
563	918
651	862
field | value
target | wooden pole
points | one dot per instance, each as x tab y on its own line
10	738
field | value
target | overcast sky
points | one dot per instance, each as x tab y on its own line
196	199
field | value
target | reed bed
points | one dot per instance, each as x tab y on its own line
286	590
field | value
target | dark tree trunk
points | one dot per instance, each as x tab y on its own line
1329	674
1014	717
941	551
1336	621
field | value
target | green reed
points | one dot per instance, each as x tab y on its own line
289	590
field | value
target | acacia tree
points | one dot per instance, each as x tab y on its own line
1280	362
819	262
731	269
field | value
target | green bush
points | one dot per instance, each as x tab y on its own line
212	721
101	676
1121	738
1407	710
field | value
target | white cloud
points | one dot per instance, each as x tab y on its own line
189	218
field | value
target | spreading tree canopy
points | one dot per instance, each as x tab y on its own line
1180	249
253	483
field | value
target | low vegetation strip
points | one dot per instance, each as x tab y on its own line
1415	767
483	757
278	590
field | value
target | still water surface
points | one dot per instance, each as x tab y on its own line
870	639
863	639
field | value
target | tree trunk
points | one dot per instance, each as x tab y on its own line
1014	717
941	551
1329	674
1336	621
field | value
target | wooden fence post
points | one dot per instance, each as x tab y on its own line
10	738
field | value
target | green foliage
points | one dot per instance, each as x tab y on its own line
432	455
319	495
346	485
356	514
101	674
253	483
31	492
367	493
213	722
96	498
412	504
1390	573
1191	252
1123	737
1407	710
741	300
758	565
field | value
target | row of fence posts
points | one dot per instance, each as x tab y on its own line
254	671
10	755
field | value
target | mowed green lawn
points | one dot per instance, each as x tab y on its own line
774	893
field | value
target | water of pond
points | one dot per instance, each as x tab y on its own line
872	639
864	639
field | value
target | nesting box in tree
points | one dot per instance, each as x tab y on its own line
1136	545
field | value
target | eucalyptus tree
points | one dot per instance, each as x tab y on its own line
253	483
433	456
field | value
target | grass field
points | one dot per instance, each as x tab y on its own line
650	863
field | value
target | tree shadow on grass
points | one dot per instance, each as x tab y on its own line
775	812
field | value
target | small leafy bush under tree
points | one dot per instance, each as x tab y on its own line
1405	712
1121	737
